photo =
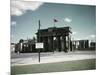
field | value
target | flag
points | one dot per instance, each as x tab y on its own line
55	20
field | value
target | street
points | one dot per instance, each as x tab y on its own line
50	57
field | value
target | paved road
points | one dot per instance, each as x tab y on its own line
34	55
27	55
50	57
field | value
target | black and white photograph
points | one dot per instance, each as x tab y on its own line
50	37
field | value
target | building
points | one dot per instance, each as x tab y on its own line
12	47
80	44
55	39
25	46
93	45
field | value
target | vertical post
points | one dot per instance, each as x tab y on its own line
39	41
39	55
54	24
53	44
73	44
58	43
68	43
64	43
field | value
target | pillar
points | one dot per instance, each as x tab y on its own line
75	45
87	44
64	43
68	43
45	41
50	43
58	43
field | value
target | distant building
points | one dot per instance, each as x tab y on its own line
93	45
80	44
25	46
12	47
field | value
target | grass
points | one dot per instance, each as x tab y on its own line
87	64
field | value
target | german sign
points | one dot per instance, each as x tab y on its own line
39	45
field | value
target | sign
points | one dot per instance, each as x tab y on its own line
39	45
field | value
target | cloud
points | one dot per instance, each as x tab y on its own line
13	23
20	7
92	36
74	33
68	20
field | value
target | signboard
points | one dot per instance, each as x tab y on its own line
39	45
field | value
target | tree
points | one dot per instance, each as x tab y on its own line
21	41
34	39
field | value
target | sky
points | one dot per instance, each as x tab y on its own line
25	16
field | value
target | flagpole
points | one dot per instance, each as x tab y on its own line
54	24
53	39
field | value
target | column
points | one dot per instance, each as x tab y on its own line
50	43
45	41
54	44
64	43
86	44
58	43
68	43
75	45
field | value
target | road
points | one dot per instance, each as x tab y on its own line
27	55
49	57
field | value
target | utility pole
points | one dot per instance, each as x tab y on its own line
39	40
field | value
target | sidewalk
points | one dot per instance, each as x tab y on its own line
56	57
